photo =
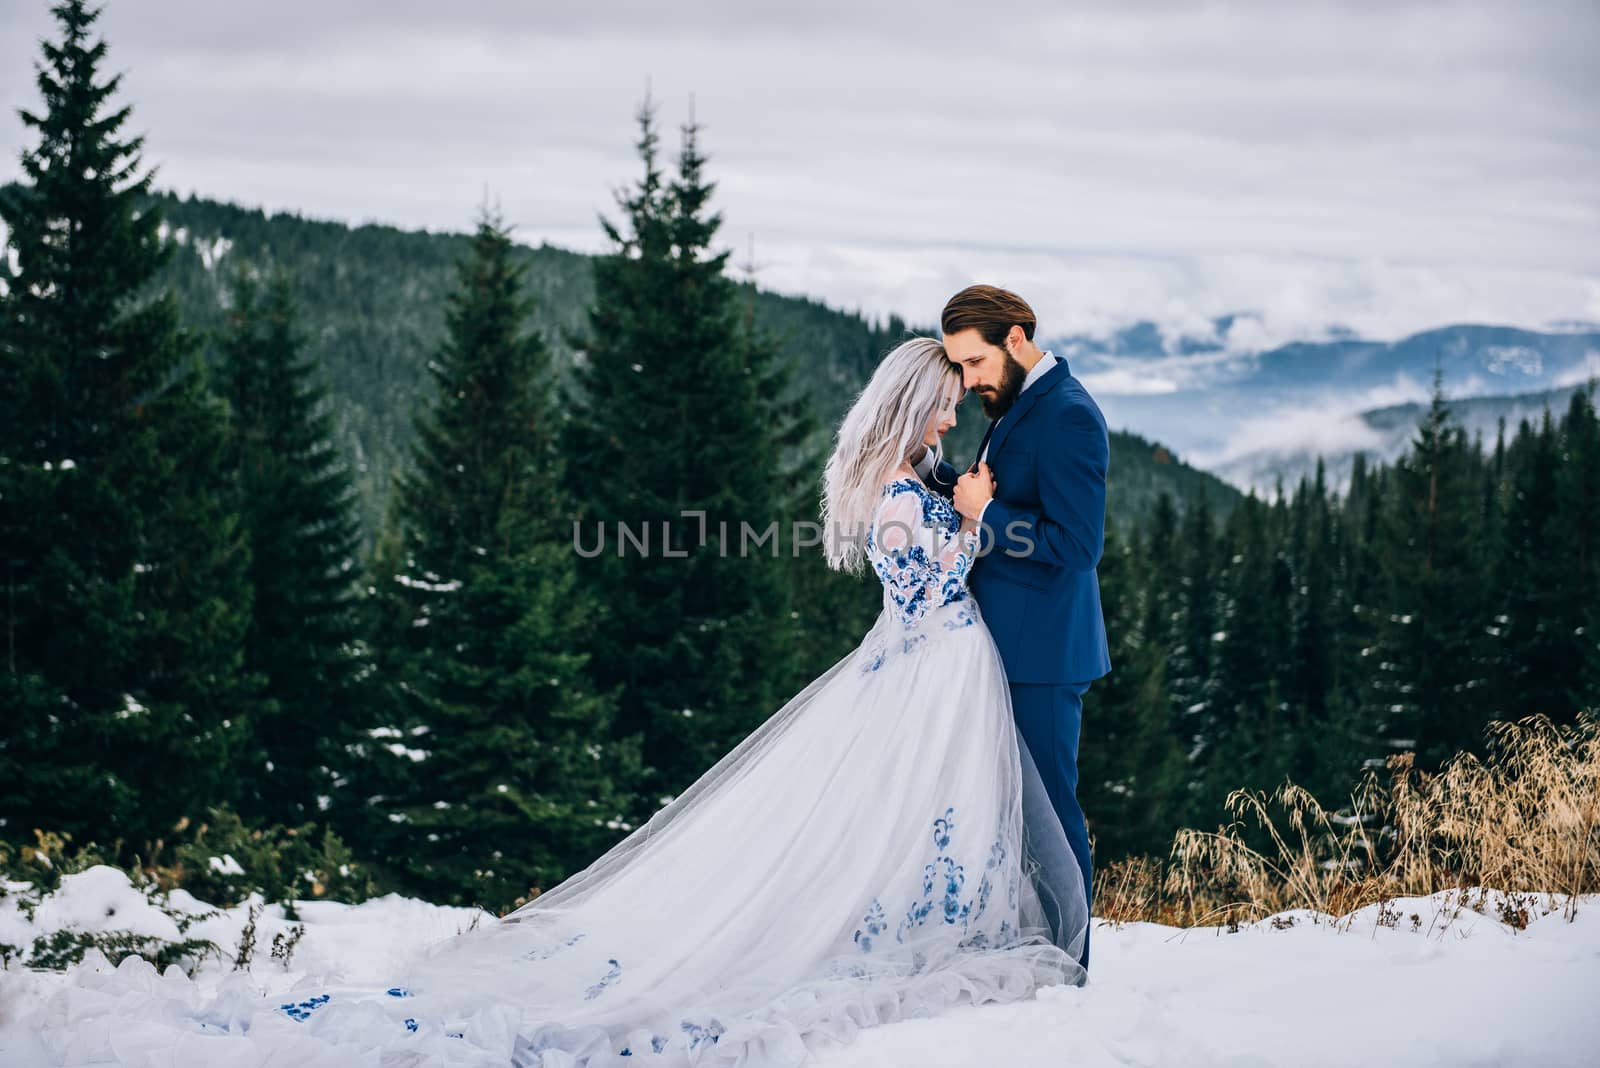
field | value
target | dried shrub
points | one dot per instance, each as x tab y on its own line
1524	822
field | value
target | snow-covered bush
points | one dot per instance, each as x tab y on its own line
224	861
54	919
147	910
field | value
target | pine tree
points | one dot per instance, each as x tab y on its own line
1131	763
676	438
1341	742
500	771
1162	578
1318	759
1578	538
1242	724
1433	687
1536	624
127	586
298	503
1190	664
812	590
1358	606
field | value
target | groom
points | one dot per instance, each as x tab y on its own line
1038	492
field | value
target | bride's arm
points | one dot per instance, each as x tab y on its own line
920	558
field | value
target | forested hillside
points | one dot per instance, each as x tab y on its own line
371	302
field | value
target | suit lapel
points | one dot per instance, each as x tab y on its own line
1025	402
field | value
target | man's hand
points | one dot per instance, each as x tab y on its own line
974	490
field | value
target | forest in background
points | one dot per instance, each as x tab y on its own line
371	304
288	565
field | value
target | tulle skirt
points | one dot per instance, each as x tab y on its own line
881	848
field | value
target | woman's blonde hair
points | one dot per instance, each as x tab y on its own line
877	435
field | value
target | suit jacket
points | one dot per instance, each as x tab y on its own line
1043	533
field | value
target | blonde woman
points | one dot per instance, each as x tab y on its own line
880	848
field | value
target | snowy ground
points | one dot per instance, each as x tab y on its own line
1452	987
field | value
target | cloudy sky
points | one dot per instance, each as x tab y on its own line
1386	165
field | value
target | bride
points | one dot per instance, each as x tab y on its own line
880	848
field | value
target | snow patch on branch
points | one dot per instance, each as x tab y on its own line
436	586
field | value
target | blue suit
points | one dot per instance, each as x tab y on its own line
1035	580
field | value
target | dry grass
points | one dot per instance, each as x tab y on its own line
1523	821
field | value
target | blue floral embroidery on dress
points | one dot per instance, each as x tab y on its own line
875	663
872	925
937	511
954	879
302	1010
546	954
605	980
997	858
905	575
952	875
398	992
411	1025
962	618
698	1034
944	880
658	1043
911	580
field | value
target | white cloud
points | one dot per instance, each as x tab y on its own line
1126	381
1324	425
1282	299
1403	390
1292	430
1388	167
1587	370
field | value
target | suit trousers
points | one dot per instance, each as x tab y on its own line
1049	718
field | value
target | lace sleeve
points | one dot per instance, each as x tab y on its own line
918	550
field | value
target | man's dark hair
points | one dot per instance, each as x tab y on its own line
989	310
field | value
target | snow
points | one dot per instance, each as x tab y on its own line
211	253
226	865
1417	981
1308	995
180	235
434	586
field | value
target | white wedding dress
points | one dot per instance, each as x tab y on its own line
881	848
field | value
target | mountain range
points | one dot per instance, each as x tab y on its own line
1255	417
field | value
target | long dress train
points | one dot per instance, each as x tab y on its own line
880	848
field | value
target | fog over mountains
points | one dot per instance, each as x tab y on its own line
1254	416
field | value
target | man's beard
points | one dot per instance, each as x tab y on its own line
1011	378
